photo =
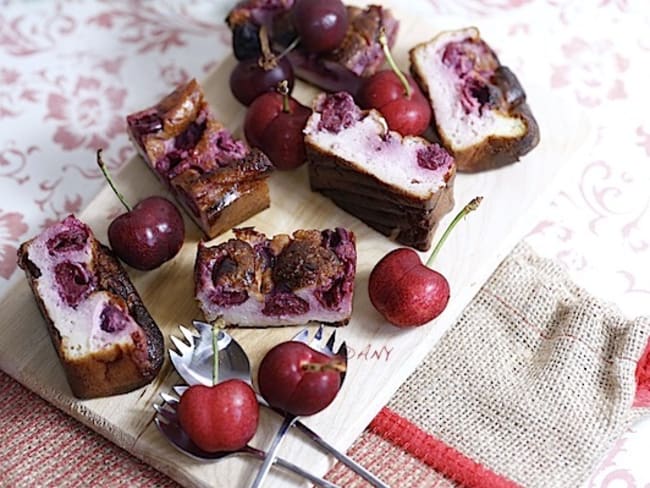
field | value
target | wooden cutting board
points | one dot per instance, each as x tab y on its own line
381	356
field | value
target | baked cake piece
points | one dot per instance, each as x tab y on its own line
217	179
400	186
105	338
359	55
255	281
479	106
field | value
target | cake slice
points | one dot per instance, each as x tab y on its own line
479	106
255	281
105	338
217	179
400	186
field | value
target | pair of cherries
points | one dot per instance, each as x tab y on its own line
292	377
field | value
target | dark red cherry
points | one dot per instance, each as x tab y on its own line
321	24
251	78
274	123
148	234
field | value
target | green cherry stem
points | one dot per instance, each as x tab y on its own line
472	205
383	40
106	174
215	349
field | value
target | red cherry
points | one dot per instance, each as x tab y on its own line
396	96
298	379
384	91
147	235
219	418
274	123
406	292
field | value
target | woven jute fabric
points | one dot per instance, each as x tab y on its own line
536	379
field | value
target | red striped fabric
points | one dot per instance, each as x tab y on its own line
435	453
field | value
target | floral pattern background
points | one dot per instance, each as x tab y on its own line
70	70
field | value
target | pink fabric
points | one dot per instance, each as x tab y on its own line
40	446
60	97
642	398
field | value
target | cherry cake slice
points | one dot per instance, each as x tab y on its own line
400	186
105	338
480	109
217	179
256	281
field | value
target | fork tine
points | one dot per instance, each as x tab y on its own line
343	351
171	400
330	343
187	333
179	344
169	416
301	336
318	336
180	389
174	356
158	407
160	423
201	327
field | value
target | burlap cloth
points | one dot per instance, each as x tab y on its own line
531	386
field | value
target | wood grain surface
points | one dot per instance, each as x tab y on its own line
381	356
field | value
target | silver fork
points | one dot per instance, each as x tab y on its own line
193	362
326	348
166	420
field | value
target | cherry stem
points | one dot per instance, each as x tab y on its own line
333	365
472	205
215	350
268	60
102	166
283	89
383	40
288	49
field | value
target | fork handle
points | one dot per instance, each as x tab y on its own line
271	454
349	462
305	474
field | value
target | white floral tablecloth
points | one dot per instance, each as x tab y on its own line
71	70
